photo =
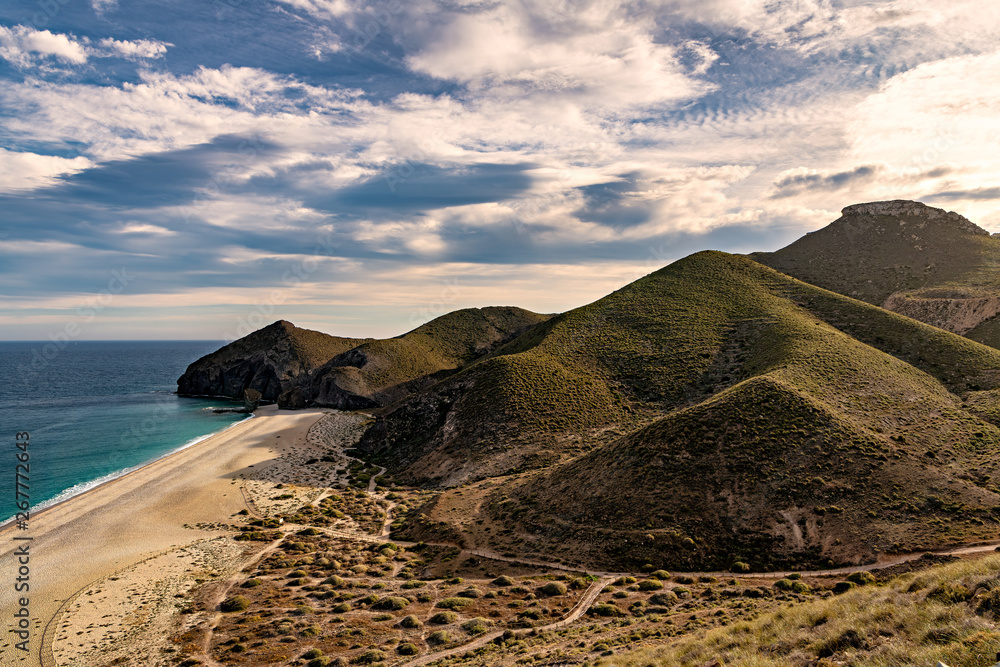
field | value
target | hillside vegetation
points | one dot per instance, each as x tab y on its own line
298	367
714	411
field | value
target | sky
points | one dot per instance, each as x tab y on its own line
196	169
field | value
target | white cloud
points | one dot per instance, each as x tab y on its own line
23	46
102	6
598	59
132	50
25	171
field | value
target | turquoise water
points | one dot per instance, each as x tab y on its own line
96	410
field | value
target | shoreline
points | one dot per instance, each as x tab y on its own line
183	497
52	503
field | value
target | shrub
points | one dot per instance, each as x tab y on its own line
664	599
295	574
341	608
439	637
662	575
369	657
605	609
334	581
391	604
312	631
843	587
414	583
443	618
650	585
794	576
861	578
800	587
453	603
476	626
739	566
410	622
783	584
683	579
553	588
407	649
251	583
503	580
322	661
952	593
235	603
312	653
471	592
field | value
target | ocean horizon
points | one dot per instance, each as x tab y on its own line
96	410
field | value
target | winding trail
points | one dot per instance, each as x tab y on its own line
582	605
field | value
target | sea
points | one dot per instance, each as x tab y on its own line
96	410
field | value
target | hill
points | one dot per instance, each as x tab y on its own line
378	372
713	411
267	360
299	367
932	265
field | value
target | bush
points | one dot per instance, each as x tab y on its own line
662	575
664	599
476	626
410	622
471	592
503	580
439	637
683	579
443	618
369	657
861	578
801	587
295	574
312	653
553	588
235	603
739	566
794	576
783	584
414	583
952	593
391	604
650	585
322	661
453	603
334	581
341	608
251	583
407	649
605	609
843	587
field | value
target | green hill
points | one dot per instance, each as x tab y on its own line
923	262
715	410
378	372
298	367
267	360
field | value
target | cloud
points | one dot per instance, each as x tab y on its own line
132	50
798	181
24	46
25	170
978	193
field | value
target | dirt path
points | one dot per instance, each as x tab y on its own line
576	612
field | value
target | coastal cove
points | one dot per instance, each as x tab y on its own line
177	500
96	410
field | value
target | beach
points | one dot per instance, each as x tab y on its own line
179	504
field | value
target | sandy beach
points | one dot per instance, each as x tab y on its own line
171	506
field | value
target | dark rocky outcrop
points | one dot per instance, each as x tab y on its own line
268	361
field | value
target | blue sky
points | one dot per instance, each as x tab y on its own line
200	168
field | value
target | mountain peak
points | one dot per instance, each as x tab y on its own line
904	208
